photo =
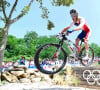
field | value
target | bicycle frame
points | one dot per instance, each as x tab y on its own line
58	56
64	39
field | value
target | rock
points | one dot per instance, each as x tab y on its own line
32	76
9	77
46	78
37	74
17	69
29	71
17	73
24	75
59	80
21	67
35	80
25	80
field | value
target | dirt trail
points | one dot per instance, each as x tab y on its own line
39	86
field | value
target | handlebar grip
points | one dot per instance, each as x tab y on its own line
67	33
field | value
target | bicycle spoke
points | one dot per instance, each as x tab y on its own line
90	58
51	59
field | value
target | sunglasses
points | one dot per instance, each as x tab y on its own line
72	12
73	15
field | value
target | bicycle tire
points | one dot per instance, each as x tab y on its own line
36	59
92	58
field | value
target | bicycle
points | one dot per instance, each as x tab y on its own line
51	63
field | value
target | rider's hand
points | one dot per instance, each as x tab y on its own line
70	31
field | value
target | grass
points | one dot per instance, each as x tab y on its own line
3	82
66	77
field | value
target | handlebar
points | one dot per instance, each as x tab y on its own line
62	34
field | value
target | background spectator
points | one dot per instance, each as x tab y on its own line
22	61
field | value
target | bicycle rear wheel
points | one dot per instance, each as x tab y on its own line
89	61
47	61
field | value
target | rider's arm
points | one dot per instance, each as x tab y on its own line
82	22
65	29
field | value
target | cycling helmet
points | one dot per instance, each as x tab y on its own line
73	13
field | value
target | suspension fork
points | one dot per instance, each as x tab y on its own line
58	49
57	52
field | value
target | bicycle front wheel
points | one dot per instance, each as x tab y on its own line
90	59
50	58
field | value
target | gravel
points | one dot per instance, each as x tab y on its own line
38	86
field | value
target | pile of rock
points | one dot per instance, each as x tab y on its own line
23	75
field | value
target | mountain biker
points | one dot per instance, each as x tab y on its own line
81	24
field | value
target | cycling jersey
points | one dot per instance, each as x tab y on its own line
85	30
85	27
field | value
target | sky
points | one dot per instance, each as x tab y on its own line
89	9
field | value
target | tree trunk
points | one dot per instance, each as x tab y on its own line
3	45
6	28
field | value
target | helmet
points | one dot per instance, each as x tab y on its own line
73	13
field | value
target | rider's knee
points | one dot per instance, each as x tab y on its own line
86	40
77	40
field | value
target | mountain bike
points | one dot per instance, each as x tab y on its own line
51	58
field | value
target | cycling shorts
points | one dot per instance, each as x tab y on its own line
84	34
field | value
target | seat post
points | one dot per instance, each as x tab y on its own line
82	41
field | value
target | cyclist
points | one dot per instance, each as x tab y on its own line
81	24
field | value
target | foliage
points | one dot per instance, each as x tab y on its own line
6	4
50	25
14	49
66	77
96	64
71	77
45	11
4	82
29	37
59	80
1	34
15	58
28	46
12	41
96	49
62	2
25	10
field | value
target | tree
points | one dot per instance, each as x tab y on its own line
96	49
29	37
8	21
45	11
15	46
62	2
11	44
6	4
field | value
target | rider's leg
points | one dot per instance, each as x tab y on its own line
87	50
86	44
77	42
75	49
80	37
